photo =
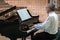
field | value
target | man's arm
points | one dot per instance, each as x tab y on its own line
45	24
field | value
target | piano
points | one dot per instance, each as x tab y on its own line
20	27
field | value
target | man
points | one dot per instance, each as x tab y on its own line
49	26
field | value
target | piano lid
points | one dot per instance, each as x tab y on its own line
8	10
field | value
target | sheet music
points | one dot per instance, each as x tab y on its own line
23	13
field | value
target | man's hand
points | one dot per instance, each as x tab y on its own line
39	31
38	26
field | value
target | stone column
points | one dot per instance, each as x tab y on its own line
51	1
58	1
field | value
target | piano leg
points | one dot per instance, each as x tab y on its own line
23	38
32	35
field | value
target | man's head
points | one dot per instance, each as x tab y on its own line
50	7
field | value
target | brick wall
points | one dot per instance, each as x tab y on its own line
35	6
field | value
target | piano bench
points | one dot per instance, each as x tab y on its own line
58	36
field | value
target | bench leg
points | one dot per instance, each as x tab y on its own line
32	36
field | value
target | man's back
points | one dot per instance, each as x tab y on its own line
54	23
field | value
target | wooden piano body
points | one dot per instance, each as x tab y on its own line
10	27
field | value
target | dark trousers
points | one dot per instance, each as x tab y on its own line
43	36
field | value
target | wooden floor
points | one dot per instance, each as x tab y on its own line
5	38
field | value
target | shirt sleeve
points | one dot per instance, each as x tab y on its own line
45	24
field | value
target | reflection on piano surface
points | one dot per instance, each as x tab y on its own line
13	27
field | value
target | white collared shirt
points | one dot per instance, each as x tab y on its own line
50	25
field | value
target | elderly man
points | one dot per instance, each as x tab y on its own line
49	26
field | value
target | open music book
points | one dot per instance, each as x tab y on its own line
23	13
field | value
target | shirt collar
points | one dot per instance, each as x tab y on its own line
51	12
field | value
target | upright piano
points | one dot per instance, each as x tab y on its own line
18	26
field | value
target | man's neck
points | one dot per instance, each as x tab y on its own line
50	12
